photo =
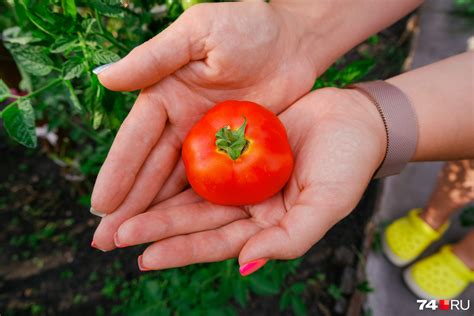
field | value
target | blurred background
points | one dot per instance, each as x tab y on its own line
57	125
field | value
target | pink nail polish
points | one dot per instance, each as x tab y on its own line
140	264
252	266
117	242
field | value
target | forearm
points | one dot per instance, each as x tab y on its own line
443	98
336	26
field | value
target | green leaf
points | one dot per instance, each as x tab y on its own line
69	8
365	287
40	22
356	70
107	8
103	56
72	94
298	288
263	286
97	119
19	122
4	91
298	306
334	291
62	44
73	68
15	35
285	301
241	293
87	25
33	60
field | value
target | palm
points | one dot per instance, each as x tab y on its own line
221	66
336	156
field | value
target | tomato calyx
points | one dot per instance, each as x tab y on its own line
232	142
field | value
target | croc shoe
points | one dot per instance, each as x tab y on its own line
407	237
440	276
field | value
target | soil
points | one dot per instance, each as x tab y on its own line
47	266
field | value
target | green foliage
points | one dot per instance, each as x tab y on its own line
364	287
377	239
56	44
202	289
334	291
464	7
292	297
341	76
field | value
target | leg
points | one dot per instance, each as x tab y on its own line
453	190
464	249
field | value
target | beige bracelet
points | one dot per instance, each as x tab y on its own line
400	123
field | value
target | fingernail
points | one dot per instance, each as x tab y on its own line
140	264
99	69
252	266
117	241
93	245
94	212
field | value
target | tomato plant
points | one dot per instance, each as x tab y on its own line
237	154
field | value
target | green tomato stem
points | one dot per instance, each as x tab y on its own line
233	142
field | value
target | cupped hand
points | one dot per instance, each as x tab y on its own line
213	52
338	140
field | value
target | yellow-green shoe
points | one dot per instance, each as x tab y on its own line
440	276
407	237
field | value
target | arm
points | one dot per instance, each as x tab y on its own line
334	27
443	99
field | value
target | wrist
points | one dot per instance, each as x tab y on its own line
372	120
332	28
314	23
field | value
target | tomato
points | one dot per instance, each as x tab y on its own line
237	154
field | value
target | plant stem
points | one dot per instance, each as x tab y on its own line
106	35
85	51
87	132
32	94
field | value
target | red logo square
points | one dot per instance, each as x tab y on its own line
444	305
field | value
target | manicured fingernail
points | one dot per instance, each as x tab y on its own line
117	241
94	212
140	264
99	69
252	266
93	245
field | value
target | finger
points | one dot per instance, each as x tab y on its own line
207	246
186	197
159	164
137	136
181	42
175	184
160	223
313	214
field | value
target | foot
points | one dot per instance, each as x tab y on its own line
407	237
442	275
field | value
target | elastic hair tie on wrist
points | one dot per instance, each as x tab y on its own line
400	123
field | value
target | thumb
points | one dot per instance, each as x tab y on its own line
301	227
173	48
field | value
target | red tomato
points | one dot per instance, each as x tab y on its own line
237	154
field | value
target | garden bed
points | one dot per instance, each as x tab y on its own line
47	266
